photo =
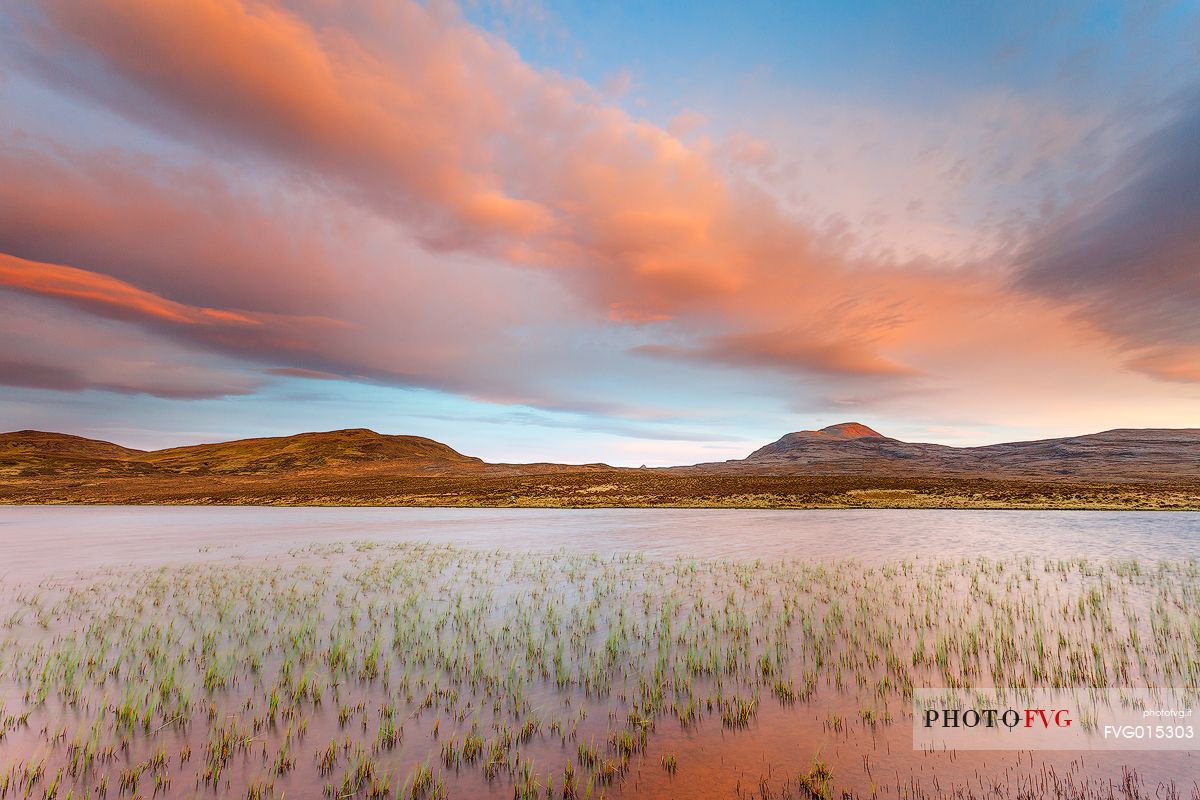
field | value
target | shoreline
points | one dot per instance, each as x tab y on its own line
540	492
663	506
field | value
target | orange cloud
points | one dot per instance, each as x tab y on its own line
329	291
446	130
253	335
1177	364
259	75
790	351
105	295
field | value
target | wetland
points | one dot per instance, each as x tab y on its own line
264	652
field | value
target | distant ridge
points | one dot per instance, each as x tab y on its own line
848	448
855	449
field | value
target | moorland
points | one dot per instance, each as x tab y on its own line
842	466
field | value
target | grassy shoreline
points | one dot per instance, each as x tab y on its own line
716	505
603	489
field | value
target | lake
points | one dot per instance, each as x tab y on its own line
336	652
39	539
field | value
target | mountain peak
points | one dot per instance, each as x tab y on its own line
850	430
805	441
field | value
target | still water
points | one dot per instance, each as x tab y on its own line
38	540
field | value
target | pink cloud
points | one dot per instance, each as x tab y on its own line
791	351
300	372
308	283
685	123
107	296
1174	364
259	76
439	131
50	346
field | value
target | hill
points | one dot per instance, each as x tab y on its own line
61	444
32	453
854	449
305	451
843	465
38	453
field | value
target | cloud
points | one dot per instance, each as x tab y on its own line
1128	262
617	84
237	270
248	334
1178	364
185	229
107	296
184	384
49	347
384	192
750	151
685	123
436	132
258	76
790	351
300	372
31	375
583	423
380	346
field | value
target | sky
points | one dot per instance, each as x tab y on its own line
642	233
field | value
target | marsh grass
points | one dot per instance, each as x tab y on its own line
406	670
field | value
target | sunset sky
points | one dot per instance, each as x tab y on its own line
661	233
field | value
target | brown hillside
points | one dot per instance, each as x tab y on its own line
306	451
32	453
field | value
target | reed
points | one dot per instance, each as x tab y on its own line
494	661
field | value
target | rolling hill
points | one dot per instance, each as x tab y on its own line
848	464
49	454
38	453
305	451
